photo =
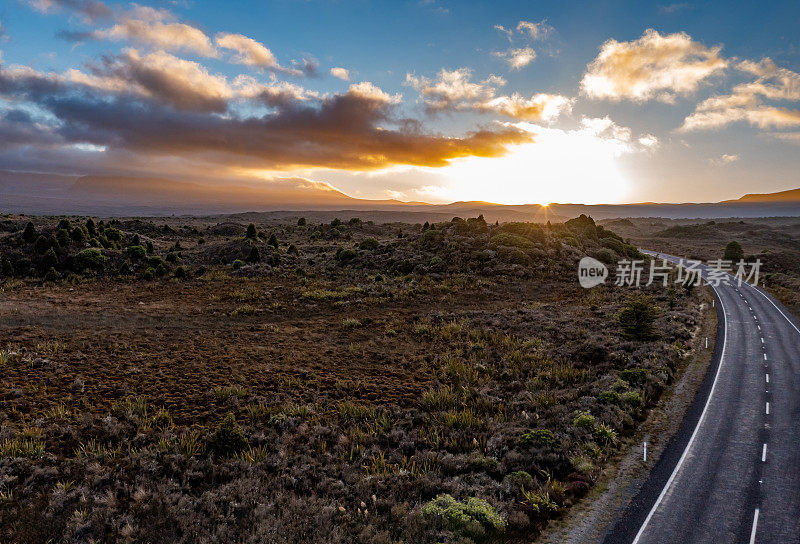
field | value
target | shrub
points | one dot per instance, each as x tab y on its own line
733	252
149	274
42	244
52	275
632	398
336	222
607	256
155	261
472	518
137	252
538	436
511	240
89	259
584	420
237	264
172	257
228	439
252	233
345	255
301	222
29	234
63	237
180	272
115	235
634	375
369	244
637	316
608	397
254	255
273	241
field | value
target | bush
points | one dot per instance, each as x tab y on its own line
237	264
149	274
634	375
473	518
89	259
29	234
538	436
273	241
345	255
301	222
637	317
252	233
607	256
608	397
63	237
172	257
180	272
228	439
52	275
254	255
584	420
155	261
115	235
511	240
137	252
369	244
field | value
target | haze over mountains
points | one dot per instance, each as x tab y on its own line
31	193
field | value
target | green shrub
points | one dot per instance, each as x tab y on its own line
634	375
149	274
89	259
228	439
237	264
273	241
521	479
632	398
63	237
637	317
155	261
584	420
172	257
473	518
137	252
52	275
115	235
345	255
301	222
607	256
252	233
369	244
511	240
538	436
608	397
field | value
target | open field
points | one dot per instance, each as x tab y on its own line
344	382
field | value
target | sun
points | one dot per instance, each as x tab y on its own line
561	166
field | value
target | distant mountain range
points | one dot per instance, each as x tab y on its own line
23	192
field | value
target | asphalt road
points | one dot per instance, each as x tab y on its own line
732	474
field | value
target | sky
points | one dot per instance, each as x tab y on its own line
434	101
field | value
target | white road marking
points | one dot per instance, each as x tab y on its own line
767	378
755	525
764	453
697	427
767	408
762	340
765	356
759	327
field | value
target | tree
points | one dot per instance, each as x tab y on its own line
91	227
254	256
252	233
733	252
637	317
29	234
273	241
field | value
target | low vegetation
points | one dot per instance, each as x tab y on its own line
163	381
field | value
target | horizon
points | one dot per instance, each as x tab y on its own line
430	102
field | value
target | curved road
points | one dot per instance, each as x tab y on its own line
737	475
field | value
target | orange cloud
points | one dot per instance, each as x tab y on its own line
746	102
655	66
453	90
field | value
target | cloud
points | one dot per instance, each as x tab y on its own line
250	52
341	73
156	28
536	31
746	102
182	119
518	58
723	159
507	32
454	90
90	10
791	137
655	66
674	8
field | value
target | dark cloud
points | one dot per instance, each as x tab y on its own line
354	130
91	10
